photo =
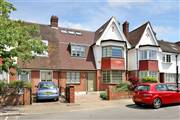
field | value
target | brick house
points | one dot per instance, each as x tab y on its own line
94	60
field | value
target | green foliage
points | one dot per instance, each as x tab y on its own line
122	87
149	79
3	86
17	39
19	84
103	95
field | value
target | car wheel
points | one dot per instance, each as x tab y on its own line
157	103
138	104
57	99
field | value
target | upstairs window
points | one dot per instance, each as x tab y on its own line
148	55
45	53
112	51
167	58
77	51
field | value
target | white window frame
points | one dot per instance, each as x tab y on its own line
71	81
78	51
170	77
149	54
45	53
4	75
105	79
143	74
29	76
46	71
107	51
165	58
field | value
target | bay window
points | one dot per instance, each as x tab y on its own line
143	74
112	51
112	77
148	55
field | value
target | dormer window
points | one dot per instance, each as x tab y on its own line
45	53
112	51
77	51
167	58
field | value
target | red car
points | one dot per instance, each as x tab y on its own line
156	94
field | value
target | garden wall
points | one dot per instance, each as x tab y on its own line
113	95
11	98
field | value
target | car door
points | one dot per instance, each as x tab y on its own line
163	93
175	96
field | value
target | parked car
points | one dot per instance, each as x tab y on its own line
156	94
46	91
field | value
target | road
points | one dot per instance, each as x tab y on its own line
124	112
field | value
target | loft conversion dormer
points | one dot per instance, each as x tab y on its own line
71	32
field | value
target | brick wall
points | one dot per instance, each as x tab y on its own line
12	74
35	79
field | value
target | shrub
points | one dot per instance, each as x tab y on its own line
3	86
149	79
122	87
103	95
134	81
18	84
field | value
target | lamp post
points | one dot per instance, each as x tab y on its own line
177	73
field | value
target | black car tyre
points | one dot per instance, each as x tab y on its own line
157	103
138	104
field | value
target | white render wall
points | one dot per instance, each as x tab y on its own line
132	60
168	67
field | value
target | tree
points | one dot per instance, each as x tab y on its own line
17	39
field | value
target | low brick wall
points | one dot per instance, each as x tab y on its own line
114	95
11	98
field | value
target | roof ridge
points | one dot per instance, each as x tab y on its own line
140	26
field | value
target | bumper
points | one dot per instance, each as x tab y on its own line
47	97
145	100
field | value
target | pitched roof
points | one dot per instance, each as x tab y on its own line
100	31
169	46
59	56
135	35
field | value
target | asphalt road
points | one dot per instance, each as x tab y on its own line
125	112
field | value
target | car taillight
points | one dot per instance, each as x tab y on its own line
147	95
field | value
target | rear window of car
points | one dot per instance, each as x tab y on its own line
142	88
47	86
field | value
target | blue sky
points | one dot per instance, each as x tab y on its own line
164	15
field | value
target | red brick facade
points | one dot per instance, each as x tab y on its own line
148	65
113	64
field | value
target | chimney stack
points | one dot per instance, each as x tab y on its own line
126	28
54	21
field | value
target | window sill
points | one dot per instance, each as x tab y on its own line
73	83
167	62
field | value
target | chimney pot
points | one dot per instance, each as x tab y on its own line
54	21
126	28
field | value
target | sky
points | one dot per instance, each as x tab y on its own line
164	15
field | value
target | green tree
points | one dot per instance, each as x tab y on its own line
17	38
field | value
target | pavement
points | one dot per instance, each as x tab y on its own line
82	102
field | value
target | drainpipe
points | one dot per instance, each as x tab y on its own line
177	73
137	57
126	61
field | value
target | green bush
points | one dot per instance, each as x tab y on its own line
150	80
3	86
122	87
103	95
19	84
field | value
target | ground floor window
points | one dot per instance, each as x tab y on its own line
24	75
3	75
73	77
112	77
170	77
143	74
46	75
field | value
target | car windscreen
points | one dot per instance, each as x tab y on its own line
142	88
47	86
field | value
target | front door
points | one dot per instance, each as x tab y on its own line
90	81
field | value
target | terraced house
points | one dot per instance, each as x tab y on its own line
93	60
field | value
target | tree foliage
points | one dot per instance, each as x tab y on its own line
17	38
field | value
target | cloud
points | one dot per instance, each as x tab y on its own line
68	24
127	3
